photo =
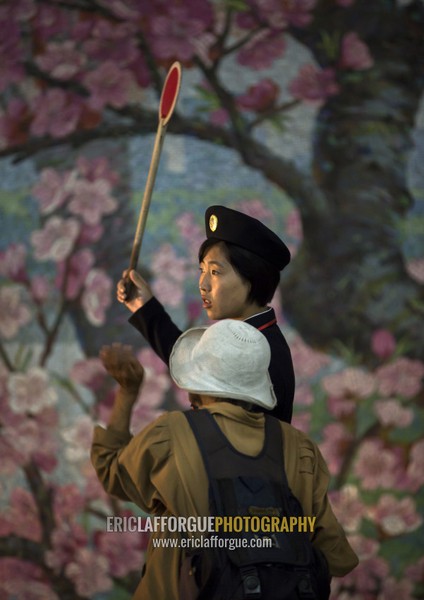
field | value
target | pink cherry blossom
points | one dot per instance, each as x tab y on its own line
395	516
372	569
51	190
89	372
307	362
19	11
13	314
112	42
11	51
76	270
348	507
341	407
390	412
302	421
96	297
122	550
377	466
12	262
364	547
56	113
171	34
56	240
66	539
68	502
151	362
32	439
415	269
50	21
259	97
194	311
336	442
93	489
97	168
171	272
219	117
401	377
156	384
263	11
298	12
11	458
89	573
168	292
181	396
256	208
40	288
294	228
31	392
396	590
61	60
383	344
124	9
22	580
415	469
92	200
262	50
351	382
78	438
416	571
314	85
90	234
304	395
192	233
355	54
276	304
22	515
365	578
109	85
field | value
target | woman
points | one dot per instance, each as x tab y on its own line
240	264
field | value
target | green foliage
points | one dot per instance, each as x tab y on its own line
329	43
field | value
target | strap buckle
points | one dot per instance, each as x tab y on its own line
251	583
304	585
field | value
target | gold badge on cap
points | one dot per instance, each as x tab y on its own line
213	222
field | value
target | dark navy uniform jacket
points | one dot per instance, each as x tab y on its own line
156	326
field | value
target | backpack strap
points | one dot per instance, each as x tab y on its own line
204	427
221	459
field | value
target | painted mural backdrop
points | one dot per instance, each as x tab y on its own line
307	114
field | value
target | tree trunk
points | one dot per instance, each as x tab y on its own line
349	277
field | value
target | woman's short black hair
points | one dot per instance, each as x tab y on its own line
262	276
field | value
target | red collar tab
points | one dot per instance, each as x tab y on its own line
272	322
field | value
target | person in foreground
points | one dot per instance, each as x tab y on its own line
225	370
240	263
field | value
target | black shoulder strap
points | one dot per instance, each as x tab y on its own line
204	427
222	460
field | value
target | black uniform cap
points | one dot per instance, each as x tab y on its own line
228	225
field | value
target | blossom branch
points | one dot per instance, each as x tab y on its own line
349	456
43	499
273	112
33	552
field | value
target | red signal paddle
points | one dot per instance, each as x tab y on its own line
167	104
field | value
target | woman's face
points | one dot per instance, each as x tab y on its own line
224	293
